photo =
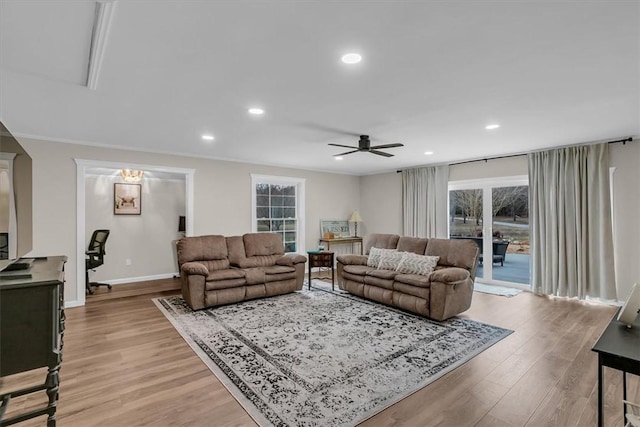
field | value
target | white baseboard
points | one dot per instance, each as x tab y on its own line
76	303
71	304
140	278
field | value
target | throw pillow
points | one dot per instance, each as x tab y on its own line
390	260
417	264
375	254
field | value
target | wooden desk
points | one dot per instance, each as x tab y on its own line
344	240
619	348
31	327
322	259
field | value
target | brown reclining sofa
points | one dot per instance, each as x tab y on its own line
441	294
216	270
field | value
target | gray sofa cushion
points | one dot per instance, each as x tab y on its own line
453	253
202	248
390	260
412	244
375	254
261	244
385	241
417	264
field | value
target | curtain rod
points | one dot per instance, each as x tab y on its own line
624	142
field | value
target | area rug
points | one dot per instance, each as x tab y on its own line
323	358
496	290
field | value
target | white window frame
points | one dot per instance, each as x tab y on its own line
486	185
300	203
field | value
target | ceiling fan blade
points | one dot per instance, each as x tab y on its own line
330	129
381	153
345	153
344	146
387	146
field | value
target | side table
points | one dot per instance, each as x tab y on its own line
322	259
343	240
619	348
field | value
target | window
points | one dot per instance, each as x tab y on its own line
495	214
278	207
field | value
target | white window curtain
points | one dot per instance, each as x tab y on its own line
571	229
424	201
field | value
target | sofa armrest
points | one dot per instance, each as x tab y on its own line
353	259
451	275
291	259
194	268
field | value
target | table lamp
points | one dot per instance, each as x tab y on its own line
355	218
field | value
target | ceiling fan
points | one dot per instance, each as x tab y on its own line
364	144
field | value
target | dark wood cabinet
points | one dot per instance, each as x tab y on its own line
31	331
320	260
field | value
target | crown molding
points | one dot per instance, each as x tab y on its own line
101	25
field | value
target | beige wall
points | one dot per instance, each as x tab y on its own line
147	240
626	214
511	166
222	195
382	201
222	198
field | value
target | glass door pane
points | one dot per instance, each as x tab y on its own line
465	218
510	240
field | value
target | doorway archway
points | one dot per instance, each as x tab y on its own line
82	168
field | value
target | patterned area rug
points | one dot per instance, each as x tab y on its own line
323	358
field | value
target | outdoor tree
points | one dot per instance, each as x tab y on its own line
510	201
468	204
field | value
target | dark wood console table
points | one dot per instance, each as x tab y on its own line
343	240
619	348
31	332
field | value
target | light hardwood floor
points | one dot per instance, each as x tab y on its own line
125	365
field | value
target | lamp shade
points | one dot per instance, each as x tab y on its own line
355	217
182	224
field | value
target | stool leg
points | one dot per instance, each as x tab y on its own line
332	277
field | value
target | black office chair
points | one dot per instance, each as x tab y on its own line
95	257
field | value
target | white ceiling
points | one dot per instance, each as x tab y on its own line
434	74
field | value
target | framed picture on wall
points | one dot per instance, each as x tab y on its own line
334	227
127	199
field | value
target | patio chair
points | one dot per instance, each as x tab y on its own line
499	252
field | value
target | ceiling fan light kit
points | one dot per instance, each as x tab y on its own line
364	145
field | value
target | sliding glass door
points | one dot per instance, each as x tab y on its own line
495	215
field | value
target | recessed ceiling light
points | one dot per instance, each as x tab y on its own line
256	111
491	127
338	158
208	137
428	153
351	58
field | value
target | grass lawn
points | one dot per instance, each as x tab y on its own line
515	232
